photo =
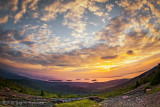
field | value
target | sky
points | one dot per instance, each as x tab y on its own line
79	40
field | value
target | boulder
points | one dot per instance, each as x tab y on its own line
58	101
124	97
96	98
148	90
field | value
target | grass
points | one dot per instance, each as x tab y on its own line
156	89
1	99
50	95
17	87
117	92
30	91
81	103
152	79
24	89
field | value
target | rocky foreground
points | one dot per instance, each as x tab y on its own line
134	98
13	98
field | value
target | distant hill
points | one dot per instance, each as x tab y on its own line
77	87
59	87
9	75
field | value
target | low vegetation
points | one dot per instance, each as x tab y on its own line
24	89
156	77
155	89
152	80
30	91
1	99
117	92
148	86
81	103
17	87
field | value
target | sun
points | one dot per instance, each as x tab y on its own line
107	68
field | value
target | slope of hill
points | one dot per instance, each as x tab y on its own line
141	79
145	92
5	83
59	87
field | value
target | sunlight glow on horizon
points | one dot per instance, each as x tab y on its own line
82	39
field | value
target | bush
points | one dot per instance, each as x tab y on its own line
118	92
137	84
1	99
154	90
81	103
146	87
50	95
42	93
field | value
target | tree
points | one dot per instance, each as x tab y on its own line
137	84
59	95
20	91
42	94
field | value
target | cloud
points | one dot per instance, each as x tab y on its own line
6	36
130	52
109	7
134	30
100	1
61	65
15	53
109	57
113	33
86	79
4	47
18	16
131	7
124	74
9	4
11	35
73	13
68	80
54	80
28	43
26	5
78	79
94	80
117	25
4	19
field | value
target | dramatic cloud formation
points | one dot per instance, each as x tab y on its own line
63	40
130	52
109	57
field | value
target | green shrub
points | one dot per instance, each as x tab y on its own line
50	95
137	84
117	92
81	103
146	87
1	99
156	89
